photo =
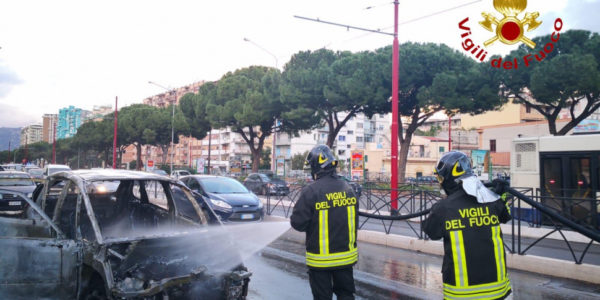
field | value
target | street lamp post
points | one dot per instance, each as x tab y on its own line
273	156
172	122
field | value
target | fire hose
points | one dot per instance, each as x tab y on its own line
592	234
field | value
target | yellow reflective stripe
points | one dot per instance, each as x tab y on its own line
484	287
323	232
351	221
330	262
493	294
498	244
463	258
333	255
459	258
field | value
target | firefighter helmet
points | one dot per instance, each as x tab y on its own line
453	165
319	159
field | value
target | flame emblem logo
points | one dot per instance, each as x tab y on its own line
510	29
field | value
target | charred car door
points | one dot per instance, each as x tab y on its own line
37	258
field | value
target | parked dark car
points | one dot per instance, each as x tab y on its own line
227	197
356	186
18	182
427	180
263	184
115	234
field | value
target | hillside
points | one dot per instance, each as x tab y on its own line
9	134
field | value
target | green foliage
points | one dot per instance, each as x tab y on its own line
318	85
247	100
298	160
265	159
566	77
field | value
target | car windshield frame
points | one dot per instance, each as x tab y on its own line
209	185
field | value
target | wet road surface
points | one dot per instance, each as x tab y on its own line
279	272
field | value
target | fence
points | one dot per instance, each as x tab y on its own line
529	208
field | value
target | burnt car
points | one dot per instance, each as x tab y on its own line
18	182
228	198
266	184
115	234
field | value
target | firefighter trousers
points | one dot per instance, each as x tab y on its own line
323	283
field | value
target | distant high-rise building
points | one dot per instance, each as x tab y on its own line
69	119
31	134
48	127
98	112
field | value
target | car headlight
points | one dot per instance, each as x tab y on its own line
221	203
29	195
260	204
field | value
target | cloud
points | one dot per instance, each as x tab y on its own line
8	79
12	116
576	15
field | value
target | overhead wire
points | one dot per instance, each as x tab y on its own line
405	22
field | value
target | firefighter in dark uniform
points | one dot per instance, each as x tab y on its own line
474	265
327	211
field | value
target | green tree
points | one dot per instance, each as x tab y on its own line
247	101
193	107
435	78
159	133
265	159
133	121
567	78
329	88
298	160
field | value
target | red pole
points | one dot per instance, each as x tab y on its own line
449	133
114	165
54	142
395	70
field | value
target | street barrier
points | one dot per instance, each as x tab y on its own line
526	205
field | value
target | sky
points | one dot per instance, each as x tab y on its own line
84	53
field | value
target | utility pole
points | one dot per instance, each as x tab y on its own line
114	164
394	154
54	142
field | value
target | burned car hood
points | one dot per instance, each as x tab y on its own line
144	267
236	199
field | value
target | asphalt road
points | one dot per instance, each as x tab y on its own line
385	273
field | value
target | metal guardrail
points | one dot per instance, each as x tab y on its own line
526	205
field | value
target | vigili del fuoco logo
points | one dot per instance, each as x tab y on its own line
510	30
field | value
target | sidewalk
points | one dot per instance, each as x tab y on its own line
531	263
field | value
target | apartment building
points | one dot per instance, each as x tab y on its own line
69	119
168	97
31	134
358	132
49	124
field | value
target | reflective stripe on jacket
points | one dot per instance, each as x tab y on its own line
474	265
327	211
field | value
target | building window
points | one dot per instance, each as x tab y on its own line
350	132
359	125
528	108
359	139
341	152
492	145
342	138
442	149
